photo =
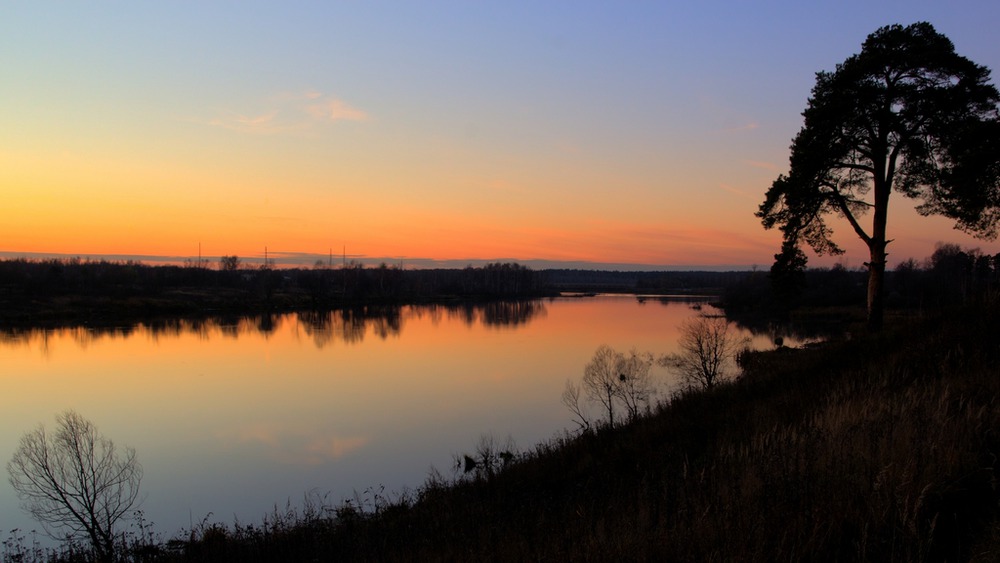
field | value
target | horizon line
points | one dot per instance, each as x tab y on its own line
308	260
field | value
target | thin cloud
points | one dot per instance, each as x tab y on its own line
750	126
289	112
265	124
331	449
771	167
277	218
679	244
261	120
733	190
726	118
335	110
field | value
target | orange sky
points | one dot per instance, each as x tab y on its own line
587	133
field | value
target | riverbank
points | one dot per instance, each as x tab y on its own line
73	292
78	293
879	447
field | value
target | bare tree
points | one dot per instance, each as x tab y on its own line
571	398
600	379
75	482
612	378
229	263
635	386
708	352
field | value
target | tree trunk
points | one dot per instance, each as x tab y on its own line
876	278
877	244
611	406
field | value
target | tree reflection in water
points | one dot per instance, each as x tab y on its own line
349	326
511	313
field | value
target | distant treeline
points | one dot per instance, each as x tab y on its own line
38	291
33	290
683	283
951	276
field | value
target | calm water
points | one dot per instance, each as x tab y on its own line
233	417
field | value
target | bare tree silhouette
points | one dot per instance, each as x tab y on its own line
75	482
612	378
708	352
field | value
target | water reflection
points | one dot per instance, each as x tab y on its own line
790	330
759	328
499	314
351	325
347	326
232	414
696	301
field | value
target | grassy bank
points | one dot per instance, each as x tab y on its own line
877	448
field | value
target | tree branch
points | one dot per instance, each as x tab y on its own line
851	166
842	204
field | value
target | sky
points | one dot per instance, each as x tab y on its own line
641	132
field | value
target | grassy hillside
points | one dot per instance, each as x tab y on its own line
877	448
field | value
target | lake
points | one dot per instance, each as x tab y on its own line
231	417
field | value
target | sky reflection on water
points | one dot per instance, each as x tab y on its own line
233	416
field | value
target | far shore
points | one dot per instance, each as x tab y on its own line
53	293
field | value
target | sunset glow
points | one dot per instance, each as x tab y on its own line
583	132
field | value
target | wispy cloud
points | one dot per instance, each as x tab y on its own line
329	449
749	126
246	123
335	110
295	445
769	166
734	190
679	244
289	112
